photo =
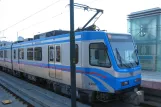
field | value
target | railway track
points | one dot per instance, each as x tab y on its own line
24	92
9	98
34	95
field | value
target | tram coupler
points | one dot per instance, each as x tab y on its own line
134	97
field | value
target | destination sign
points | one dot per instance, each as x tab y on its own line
119	37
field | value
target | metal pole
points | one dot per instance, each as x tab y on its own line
72	55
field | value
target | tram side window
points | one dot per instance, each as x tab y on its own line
1	54
51	53
21	53
76	52
38	54
29	53
98	55
58	54
5	53
14	54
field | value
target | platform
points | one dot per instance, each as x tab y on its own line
151	79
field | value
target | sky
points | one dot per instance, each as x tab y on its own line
56	16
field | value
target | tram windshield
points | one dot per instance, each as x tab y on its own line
123	49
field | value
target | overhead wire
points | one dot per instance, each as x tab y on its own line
37	13
32	15
43	21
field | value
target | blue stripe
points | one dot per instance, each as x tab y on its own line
101	87
103	75
109	79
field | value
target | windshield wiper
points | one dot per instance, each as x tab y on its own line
136	62
120	59
132	65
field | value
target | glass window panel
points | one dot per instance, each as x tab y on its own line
38	54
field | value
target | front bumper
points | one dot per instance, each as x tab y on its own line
131	82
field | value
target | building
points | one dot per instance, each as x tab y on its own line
145	27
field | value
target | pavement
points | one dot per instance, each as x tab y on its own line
151	79
151	76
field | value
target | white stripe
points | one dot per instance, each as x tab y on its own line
26	44
60	39
50	40
109	88
77	36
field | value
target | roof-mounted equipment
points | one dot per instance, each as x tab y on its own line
51	33
85	7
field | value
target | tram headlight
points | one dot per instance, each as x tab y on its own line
125	83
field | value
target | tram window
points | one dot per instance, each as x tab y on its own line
21	53
58	54
14	54
1	54
5	53
98	55
76	52
38	54
51	53
29	53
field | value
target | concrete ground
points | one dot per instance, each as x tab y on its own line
4	95
151	79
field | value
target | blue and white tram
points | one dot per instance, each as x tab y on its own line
106	63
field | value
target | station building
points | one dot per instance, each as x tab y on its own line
145	27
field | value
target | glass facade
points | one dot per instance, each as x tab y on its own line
145	28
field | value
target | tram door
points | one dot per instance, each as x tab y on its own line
51	60
58	74
5	58
21	59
